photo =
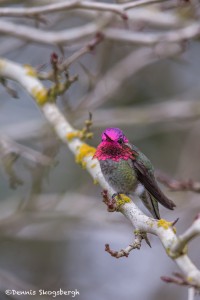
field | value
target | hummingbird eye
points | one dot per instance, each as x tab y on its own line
120	140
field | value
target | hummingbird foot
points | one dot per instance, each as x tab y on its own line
111	203
119	195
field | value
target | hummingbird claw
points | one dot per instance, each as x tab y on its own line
116	195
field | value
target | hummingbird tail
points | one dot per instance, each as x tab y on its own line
166	202
151	204
149	182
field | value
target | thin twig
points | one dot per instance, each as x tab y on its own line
178	185
64	65
126	251
121	71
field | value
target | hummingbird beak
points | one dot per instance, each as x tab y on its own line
108	138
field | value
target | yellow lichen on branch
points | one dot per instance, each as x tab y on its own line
84	151
40	95
164	224
121	200
95	181
72	135
30	71
80	134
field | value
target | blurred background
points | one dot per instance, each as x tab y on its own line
53	224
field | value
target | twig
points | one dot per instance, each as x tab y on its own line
121	71
139	236
8	146
125	252
10	151
178	185
173	110
64	65
180	280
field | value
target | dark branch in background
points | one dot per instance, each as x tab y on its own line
178	185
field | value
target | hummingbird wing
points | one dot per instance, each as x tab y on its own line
145	174
151	204
148	180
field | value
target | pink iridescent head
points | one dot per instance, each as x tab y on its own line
114	135
113	146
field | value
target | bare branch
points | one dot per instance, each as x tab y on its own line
8	146
40	36
173	110
180	280
10	151
139	236
64	65
121	35
125	252
73	4
116	76
187	236
113	34
178	185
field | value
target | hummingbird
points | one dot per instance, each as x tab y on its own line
128	170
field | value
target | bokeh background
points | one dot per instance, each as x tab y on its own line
53	224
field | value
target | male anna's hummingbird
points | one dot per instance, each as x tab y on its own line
128	170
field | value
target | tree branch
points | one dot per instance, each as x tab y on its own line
187	236
64	65
84	156
173	110
72	4
125	252
178	185
69	36
122	70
